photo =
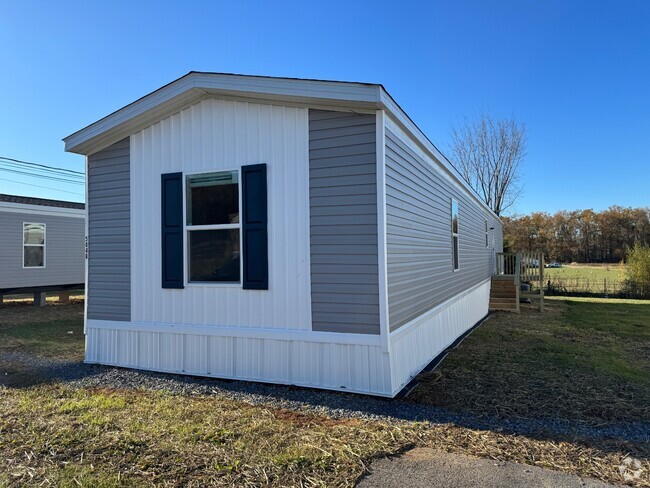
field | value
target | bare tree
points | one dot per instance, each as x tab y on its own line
489	154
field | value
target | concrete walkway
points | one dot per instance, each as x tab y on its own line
429	468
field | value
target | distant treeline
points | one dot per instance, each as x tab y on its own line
582	236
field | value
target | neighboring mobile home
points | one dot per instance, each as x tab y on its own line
281	230
41	245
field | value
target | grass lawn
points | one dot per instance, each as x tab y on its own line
53	434
584	278
611	272
586	359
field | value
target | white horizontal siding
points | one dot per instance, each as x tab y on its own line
217	135
417	343
360	368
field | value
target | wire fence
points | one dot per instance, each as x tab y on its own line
581	286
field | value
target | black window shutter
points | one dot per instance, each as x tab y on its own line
254	227
172	230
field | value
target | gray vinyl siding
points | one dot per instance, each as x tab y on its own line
343	222
419	244
498	235
109	233
64	251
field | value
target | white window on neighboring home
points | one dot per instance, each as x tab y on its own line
213	227
454	233
33	245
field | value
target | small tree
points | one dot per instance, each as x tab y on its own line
489	153
637	271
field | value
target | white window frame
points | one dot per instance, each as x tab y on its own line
44	245
189	228
455	266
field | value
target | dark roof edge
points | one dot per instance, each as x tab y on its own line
44	202
193	72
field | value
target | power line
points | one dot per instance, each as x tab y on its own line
42	170
45	187
42	165
47	177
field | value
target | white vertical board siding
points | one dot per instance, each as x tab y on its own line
360	368
418	342
215	135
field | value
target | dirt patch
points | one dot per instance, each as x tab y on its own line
305	420
15	375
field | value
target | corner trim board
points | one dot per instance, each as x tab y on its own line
384	316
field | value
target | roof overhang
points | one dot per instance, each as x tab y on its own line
42	210
196	86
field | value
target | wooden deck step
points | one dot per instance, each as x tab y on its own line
503	301
503	294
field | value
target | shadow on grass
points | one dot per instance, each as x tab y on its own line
508	377
579	360
335	404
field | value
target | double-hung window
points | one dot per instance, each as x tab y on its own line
454	233
213	227
33	245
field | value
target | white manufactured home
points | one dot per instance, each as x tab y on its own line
280	230
41	245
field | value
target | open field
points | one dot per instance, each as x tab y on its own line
583	361
599	280
612	272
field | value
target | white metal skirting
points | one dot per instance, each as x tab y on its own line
344	362
416	344
360	368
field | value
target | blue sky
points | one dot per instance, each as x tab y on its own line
577	73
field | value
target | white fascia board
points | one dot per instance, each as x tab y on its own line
290	89
195	86
120	124
404	121
23	208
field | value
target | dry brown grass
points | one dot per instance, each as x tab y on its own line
52	435
579	360
586	458
55	436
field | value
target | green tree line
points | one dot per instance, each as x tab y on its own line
582	236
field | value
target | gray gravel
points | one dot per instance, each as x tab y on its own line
333	404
